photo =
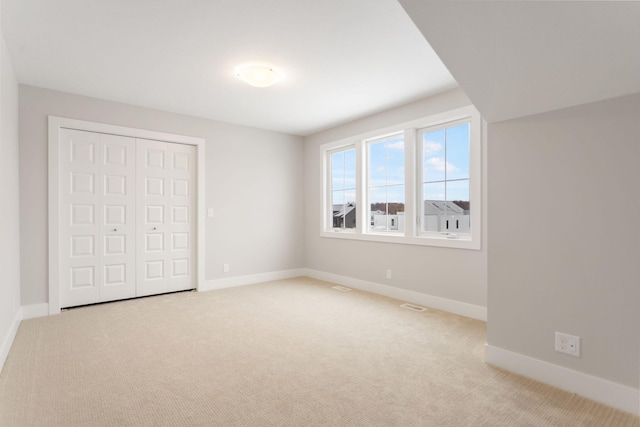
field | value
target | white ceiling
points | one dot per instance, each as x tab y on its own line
524	57
342	59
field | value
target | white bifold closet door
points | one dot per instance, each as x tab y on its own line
127	219
166	217
97	222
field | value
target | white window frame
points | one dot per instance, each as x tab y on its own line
413	176
367	190
329	190
420	177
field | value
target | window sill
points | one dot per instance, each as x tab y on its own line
435	241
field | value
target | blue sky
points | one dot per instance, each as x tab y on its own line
446	157
386	170
343	173
445	162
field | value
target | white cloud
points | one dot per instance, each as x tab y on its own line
438	163
431	147
399	145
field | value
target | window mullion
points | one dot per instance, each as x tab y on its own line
386	185
410	214
446	178
361	203
344	191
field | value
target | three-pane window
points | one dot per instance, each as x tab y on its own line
417	184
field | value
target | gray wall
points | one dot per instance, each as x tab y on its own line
455	274
252	183
9	197
568	259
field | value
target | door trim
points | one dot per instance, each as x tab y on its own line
57	123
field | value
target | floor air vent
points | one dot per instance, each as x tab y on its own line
413	307
341	288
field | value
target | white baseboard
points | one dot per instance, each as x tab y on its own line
451	306
7	342
607	392
35	310
210	285
25	312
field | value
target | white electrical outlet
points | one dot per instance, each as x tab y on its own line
568	344
388	273
225	268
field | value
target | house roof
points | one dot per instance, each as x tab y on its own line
342	210
439	207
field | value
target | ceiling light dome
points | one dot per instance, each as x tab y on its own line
258	75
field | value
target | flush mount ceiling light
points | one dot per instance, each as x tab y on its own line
258	75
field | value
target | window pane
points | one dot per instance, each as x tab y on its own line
457	148
337	198
337	170
386	184
446	172
459	207
447	207
395	198
434	207
378	208
434	191
343	186
350	169
433	146
377	164
350	208
395	160
343	210
395	208
458	191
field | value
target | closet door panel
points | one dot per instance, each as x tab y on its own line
80	232
181	199
119	226
97	248
166	217
152	171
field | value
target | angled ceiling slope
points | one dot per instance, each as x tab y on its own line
519	58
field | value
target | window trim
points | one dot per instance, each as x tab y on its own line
366	144
420	176
328	206
412	234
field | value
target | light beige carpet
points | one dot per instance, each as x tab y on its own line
287	353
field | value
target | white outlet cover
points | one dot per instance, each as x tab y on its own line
568	344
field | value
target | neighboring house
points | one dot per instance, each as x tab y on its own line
344	216
383	222
446	217
439	216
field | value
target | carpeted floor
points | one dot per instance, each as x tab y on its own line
288	353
